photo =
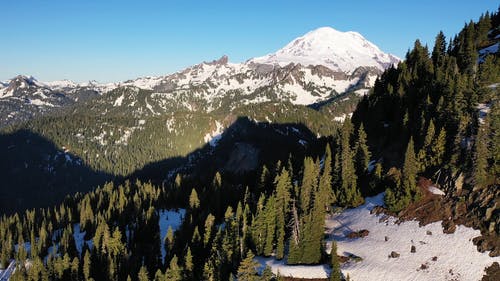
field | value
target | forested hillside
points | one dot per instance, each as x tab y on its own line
267	175
440	110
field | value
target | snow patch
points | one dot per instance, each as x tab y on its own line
214	137
456	256
39	102
490	49
297	271
371	165
169	218
118	101
435	190
484	109
342	118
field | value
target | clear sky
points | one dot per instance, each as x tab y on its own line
114	40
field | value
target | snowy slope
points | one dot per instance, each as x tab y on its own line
456	257
339	51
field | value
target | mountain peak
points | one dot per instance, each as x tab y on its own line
337	50
221	61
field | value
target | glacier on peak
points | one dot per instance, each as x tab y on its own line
337	50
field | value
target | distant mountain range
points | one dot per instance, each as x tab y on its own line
316	67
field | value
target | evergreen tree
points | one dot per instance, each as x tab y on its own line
143	274
309	183
349	194
194	202
270	218
362	153
168	240
325	181
439	148
159	276
87	263
335	274
439	50
283	187
267	274
173	272
188	261
409	174
425	155
209	224
247	271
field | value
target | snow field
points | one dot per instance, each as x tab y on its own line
437	256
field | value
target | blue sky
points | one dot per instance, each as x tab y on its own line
118	40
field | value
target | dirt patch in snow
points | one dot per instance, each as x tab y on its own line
492	273
358	234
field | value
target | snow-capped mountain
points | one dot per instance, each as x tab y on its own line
322	64
24	97
318	66
339	51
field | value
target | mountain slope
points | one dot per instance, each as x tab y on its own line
23	98
316	67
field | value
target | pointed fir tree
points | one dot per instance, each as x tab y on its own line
188	260
87	263
363	154
270	218
410	172
309	183
349	194
439	148
283	187
143	274
325	181
439	50
267	274
209	225
194	202
335	274
247	271
173	272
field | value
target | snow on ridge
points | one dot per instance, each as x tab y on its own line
58	84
